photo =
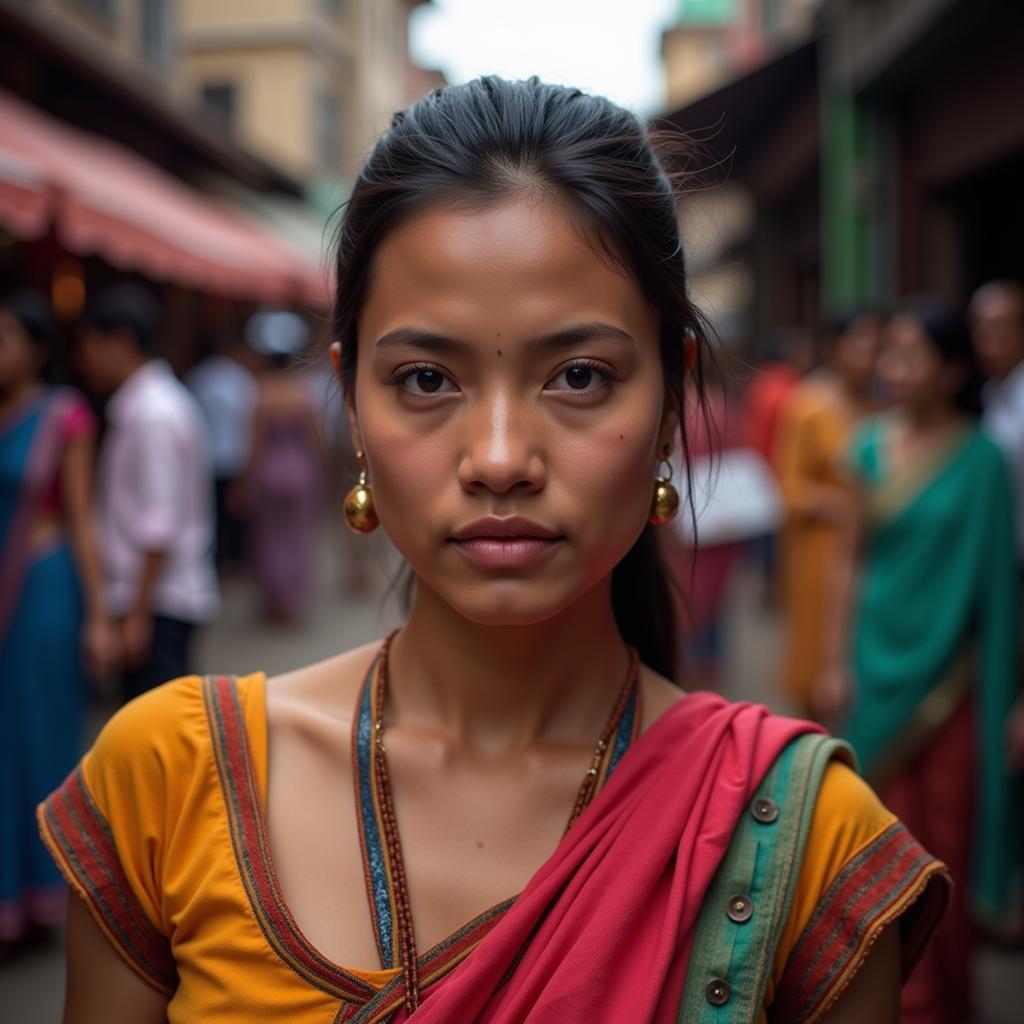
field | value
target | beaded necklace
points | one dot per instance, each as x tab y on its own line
382	848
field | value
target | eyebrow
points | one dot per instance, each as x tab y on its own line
575	334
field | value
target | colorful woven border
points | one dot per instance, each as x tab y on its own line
252	850
877	886
82	844
376	865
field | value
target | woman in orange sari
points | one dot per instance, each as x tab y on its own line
815	426
507	811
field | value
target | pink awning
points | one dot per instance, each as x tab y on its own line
107	200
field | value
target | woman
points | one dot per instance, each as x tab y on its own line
345	841
815	427
933	643
282	483
51	598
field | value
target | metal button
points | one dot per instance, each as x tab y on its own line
764	810
740	909
718	992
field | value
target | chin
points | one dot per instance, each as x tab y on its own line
510	602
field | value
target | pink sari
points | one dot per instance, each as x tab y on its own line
604	929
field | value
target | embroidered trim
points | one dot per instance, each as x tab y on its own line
249	839
875	888
252	855
82	844
376	866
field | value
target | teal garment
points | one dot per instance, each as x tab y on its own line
938	583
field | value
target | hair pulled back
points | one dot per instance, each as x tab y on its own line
490	140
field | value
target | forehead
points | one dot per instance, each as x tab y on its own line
514	269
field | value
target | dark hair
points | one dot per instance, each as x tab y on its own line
488	139
125	306
842	320
947	332
32	310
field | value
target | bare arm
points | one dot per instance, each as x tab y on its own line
100	986
874	992
76	482
98	636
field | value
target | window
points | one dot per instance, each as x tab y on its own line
327	121
105	9
155	27
771	16
218	102
334	8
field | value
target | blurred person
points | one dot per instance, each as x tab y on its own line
815	425
789	359
513	334
155	489
283	483
997	323
922	639
53	618
226	389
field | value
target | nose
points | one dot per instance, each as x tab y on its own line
502	449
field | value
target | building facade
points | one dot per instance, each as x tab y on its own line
307	84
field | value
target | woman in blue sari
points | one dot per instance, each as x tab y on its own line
53	625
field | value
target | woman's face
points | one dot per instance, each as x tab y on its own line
510	400
856	350
20	360
912	371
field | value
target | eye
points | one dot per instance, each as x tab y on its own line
423	381
583	377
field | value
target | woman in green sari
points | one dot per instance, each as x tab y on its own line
924	650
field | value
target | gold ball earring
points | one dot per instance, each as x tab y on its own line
665	502
360	513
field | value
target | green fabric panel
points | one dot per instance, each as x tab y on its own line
763	863
938	576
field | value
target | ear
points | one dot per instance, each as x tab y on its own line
350	399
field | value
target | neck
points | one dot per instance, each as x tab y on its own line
854	391
19	392
929	416
503	688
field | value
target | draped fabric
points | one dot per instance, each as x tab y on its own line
603	931
41	684
937	620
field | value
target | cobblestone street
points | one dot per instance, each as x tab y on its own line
31	989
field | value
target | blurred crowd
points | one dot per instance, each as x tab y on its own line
124	504
887	520
874	474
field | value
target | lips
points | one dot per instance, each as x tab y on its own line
511	542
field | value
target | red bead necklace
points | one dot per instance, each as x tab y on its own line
588	788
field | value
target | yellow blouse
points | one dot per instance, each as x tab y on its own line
161	832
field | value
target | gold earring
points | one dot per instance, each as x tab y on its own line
665	502
360	513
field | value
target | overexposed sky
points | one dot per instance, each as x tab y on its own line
609	47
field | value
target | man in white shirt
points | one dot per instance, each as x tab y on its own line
154	490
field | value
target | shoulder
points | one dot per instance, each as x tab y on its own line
327	688
861	871
76	417
150	740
